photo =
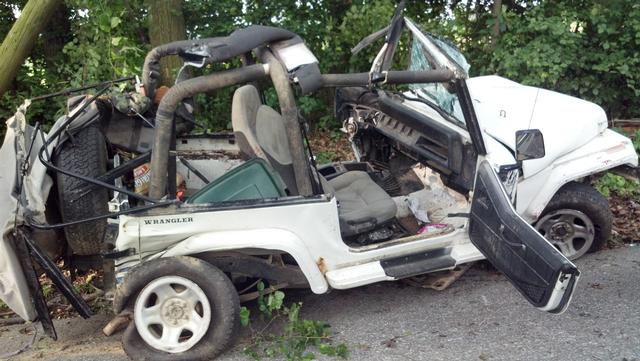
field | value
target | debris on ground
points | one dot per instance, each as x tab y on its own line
438	280
59	307
626	218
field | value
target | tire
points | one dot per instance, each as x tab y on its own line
222	327
85	154
590	212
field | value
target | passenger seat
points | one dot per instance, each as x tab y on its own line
260	132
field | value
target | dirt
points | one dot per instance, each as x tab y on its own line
77	339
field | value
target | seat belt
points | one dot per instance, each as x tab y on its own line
316	185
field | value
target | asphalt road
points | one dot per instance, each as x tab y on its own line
480	317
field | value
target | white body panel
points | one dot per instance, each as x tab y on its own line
577	141
605	151
504	107
309	232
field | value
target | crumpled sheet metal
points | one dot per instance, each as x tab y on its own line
13	288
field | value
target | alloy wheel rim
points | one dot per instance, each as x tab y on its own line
172	314
569	230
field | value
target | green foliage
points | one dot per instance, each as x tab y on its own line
325	157
297	336
586	48
101	41
4	307
610	183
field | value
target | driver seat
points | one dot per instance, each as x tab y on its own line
260	132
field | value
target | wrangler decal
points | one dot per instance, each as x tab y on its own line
149	222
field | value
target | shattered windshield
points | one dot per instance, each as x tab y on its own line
437	94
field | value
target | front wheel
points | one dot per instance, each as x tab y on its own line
577	220
185	309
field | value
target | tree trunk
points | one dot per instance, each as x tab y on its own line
22	37
495	31
55	37
166	25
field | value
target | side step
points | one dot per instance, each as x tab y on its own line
418	263
391	269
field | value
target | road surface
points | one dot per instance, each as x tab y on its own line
480	317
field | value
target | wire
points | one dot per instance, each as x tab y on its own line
108	215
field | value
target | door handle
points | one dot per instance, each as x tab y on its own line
515	245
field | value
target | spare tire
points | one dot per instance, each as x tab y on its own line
85	154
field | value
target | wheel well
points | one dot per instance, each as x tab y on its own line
273	266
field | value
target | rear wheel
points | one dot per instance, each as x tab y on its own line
577	220
84	154
185	309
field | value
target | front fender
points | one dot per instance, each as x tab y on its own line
268	239
607	150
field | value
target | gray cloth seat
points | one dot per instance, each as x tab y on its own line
362	203
260	132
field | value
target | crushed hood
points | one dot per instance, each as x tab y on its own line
504	106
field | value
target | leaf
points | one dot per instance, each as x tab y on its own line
244	316
327	349
115	41
115	21
294	312
342	351
308	356
270	351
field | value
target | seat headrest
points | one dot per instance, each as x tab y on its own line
244	111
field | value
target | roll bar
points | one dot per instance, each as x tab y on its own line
165	120
210	50
160	156
388	77
289	110
242	41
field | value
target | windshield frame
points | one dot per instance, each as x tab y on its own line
440	57
443	61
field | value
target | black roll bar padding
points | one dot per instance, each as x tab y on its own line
466	105
369	39
393	36
289	111
390	77
210	50
168	105
151	66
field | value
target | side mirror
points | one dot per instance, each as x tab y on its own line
529	144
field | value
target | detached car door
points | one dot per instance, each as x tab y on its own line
535	267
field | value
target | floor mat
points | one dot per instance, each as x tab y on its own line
410	223
401	184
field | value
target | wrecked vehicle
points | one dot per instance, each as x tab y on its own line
428	124
180	242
